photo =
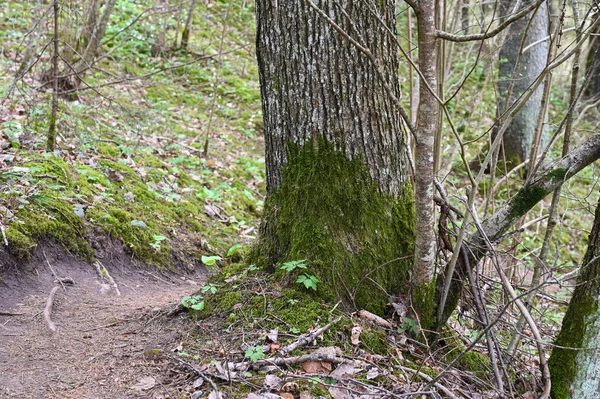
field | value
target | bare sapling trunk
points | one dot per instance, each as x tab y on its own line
51	139
93	43
427	127
185	36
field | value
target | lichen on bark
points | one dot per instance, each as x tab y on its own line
329	211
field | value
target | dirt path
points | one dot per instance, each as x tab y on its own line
104	344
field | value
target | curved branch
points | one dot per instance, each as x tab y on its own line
486	35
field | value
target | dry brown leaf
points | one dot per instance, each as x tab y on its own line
316	367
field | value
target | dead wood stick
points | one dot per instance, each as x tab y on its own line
304	340
288	361
380	321
199	372
48	309
10	314
427	378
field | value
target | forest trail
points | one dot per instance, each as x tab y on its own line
105	344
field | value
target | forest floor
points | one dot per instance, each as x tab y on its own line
105	343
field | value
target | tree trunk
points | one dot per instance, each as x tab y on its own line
518	68
94	41
185	36
593	63
336	156
576	373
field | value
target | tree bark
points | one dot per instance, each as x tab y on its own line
575	360
185	36
427	127
94	41
336	156
516	72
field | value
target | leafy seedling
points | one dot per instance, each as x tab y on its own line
212	288
308	280
195	302
293	265
255	353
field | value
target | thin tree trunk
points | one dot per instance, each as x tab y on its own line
427	121
51	139
335	152
87	58
93	13
185	36
31	44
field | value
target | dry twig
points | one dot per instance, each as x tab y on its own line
48	309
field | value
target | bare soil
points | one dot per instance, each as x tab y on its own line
105	345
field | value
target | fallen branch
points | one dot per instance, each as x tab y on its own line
10	314
428	379
380	321
197	371
304	340
48	309
289	361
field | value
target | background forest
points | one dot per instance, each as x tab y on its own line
132	140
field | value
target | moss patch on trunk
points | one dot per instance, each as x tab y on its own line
357	239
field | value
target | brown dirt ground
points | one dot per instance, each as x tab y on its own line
105	343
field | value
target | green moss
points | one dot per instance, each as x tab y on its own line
563	361
107	149
52	219
472	361
330	212
424	306
526	199
557	175
374	341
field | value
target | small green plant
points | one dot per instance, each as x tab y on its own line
408	325
293	265
195	302
255	353
309	281
210	260
157	240
212	288
233	249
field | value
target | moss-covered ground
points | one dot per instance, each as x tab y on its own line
130	159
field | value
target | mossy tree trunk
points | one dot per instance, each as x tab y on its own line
519	66
336	156
576	373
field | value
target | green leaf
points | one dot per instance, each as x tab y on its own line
210	260
139	223
233	249
159	238
255	353
309	281
294	264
